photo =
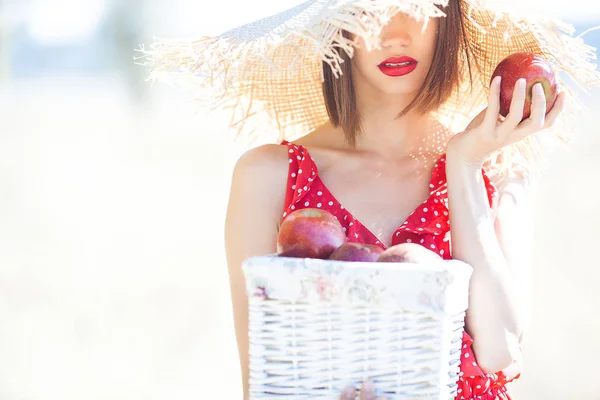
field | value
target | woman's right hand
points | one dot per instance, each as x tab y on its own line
367	392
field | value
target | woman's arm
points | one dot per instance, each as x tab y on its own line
253	214
499	248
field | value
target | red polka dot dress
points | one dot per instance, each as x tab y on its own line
428	225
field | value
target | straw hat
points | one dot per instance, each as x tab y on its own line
268	74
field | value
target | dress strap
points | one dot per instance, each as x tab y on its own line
302	171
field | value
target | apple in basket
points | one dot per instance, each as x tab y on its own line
310	233
356	252
534	69
409	253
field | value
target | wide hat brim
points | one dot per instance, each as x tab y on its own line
268	74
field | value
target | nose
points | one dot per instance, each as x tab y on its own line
397	32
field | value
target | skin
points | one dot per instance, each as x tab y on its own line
386	176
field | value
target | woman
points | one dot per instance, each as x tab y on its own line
392	171
381	177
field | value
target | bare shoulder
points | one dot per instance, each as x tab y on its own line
260	175
254	211
267	163
270	159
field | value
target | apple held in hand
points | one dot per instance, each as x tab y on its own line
409	253
357	252
310	233
534	69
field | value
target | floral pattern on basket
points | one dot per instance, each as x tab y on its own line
439	287
317	325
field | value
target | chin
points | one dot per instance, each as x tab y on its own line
409	89
375	80
402	91
407	85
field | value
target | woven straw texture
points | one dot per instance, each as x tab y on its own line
317	326
268	74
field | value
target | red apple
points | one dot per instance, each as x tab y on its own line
309	233
357	252
408	253
534	69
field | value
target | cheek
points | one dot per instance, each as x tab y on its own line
359	50
430	36
429	45
362	59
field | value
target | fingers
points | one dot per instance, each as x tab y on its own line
515	114
538	107
558	107
478	119
491	113
539	119
367	392
536	120
348	393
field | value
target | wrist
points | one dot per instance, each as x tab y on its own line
456	160
457	154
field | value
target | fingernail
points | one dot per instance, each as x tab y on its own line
349	393
540	87
368	386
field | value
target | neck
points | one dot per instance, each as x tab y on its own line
383	132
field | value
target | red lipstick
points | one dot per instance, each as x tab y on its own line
398	66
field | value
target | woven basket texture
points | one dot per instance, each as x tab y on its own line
317	326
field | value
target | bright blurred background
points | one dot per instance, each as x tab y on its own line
112	199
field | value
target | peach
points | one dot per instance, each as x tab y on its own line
309	233
408	253
350	251
534	69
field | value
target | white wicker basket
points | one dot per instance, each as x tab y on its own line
317	326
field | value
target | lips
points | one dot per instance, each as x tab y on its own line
398	66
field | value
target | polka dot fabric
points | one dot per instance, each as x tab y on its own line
428	225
